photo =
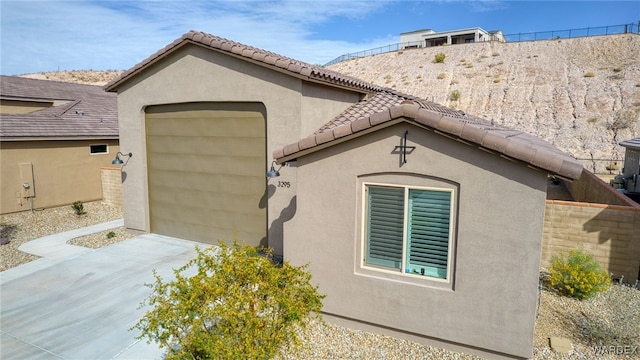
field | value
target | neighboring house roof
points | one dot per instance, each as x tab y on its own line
262	57
384	108
78	111
631	144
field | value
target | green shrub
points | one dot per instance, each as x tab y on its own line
78	208
454	95
238	305
577	274
111	235
439	57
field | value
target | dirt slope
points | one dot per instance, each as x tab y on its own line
90	77
582	94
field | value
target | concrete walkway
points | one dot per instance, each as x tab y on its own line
80	303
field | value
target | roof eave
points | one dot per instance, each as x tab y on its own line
539	158
58	138
185	40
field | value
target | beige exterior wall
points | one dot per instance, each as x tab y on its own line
294	109
489	305
112	186
610	233
63	172
22	107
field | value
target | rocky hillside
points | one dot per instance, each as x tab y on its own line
90	77
582	94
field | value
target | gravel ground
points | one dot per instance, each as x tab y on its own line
611	318
24	226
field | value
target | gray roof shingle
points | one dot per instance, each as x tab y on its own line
87	111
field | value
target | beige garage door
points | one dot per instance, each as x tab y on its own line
206	171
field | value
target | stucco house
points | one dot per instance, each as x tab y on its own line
428	37
54	139
418	220
629	179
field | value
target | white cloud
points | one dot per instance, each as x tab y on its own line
50	35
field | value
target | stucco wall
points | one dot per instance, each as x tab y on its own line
489	305
63	172
294	109
608	232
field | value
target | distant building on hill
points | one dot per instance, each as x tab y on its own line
428	37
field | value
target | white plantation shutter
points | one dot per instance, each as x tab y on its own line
429	214
385	218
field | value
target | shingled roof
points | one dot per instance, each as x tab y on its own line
384	108
78	111
262	57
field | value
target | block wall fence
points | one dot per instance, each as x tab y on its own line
608	232
112	186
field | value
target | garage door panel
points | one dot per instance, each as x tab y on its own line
243	166
243	146
206	171
234	184
215	200
234	126
217	222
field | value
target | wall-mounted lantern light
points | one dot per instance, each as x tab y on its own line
118	161
272	172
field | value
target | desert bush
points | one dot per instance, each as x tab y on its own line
454	95
238	305
616	323
577	274
439	57
589	74
441	76
617	70
495	54
497	80
623	119
78	208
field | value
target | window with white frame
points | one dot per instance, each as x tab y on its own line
99	149
409	229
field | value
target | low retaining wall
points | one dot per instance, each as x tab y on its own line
611	233
112	186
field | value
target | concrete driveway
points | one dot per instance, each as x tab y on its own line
80	303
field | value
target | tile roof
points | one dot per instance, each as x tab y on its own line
86	111
259	56
632	144
385	107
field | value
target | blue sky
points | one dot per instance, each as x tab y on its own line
81	34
